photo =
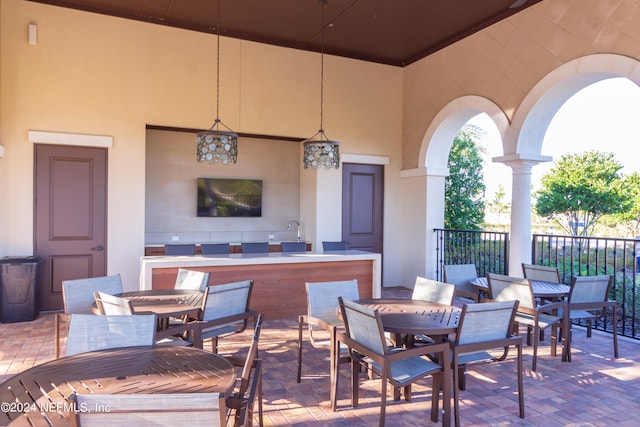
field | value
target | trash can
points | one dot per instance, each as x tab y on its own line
18	292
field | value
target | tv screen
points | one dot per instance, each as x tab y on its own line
220	197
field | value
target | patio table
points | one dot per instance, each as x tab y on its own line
414	317
544	290
40	396
164	303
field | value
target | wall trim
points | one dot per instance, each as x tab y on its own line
364	159
41	137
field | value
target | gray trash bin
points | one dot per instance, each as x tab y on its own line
18	292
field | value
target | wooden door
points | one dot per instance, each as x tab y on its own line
362	206
70	227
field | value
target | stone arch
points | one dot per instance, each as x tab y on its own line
437	141
532	118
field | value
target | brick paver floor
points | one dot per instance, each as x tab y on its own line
593	390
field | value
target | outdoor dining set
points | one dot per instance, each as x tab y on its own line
137	358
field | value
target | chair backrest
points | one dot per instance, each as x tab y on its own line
590	289
226	300
146	410
334	246
541	273
180	249
215	248
191	280
294	246
487	321
505	288
322	298
251	356
78	296
460	275
112	305
255	247
433	291
88	332
363	324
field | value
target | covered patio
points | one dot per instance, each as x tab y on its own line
593	390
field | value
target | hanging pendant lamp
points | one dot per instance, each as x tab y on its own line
215	145
319	150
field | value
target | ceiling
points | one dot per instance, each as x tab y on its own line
393	32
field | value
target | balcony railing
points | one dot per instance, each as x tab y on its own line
486	249
574	256
590	256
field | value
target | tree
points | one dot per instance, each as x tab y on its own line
580	189
631	218
464	187
498	203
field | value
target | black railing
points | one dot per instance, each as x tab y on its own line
486	249
590	256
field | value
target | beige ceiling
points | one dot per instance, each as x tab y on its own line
394	32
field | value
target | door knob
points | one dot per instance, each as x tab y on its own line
97	248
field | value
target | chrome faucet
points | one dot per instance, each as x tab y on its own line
297	228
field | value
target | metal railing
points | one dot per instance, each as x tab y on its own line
486	249
590	256
574	256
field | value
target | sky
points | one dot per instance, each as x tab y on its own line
603	116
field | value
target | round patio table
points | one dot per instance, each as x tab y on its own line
545	290
39	396
164	303
415	317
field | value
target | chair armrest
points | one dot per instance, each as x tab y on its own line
515	340
593	305
557	305
185	329
315	321
199	325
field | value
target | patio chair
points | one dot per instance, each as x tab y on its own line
88	332
191	280
215	248
322	320
149	410
334	246
589	301
400	367
461	275
541	272
111	305
225	311
294	246
77	297
255	247
535	317
484	327
250	388
434	291
180	249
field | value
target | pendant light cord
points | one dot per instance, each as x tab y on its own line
321	131
218	68
322	69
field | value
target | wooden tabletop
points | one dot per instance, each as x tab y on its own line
540	289
164	302
415	317
39	396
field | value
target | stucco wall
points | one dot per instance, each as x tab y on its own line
505	61
98	75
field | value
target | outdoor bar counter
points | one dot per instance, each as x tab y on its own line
279	278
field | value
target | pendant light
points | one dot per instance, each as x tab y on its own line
215	145
319	150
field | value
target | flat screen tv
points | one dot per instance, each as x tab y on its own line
222	197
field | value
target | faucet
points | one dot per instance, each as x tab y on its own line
297	228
